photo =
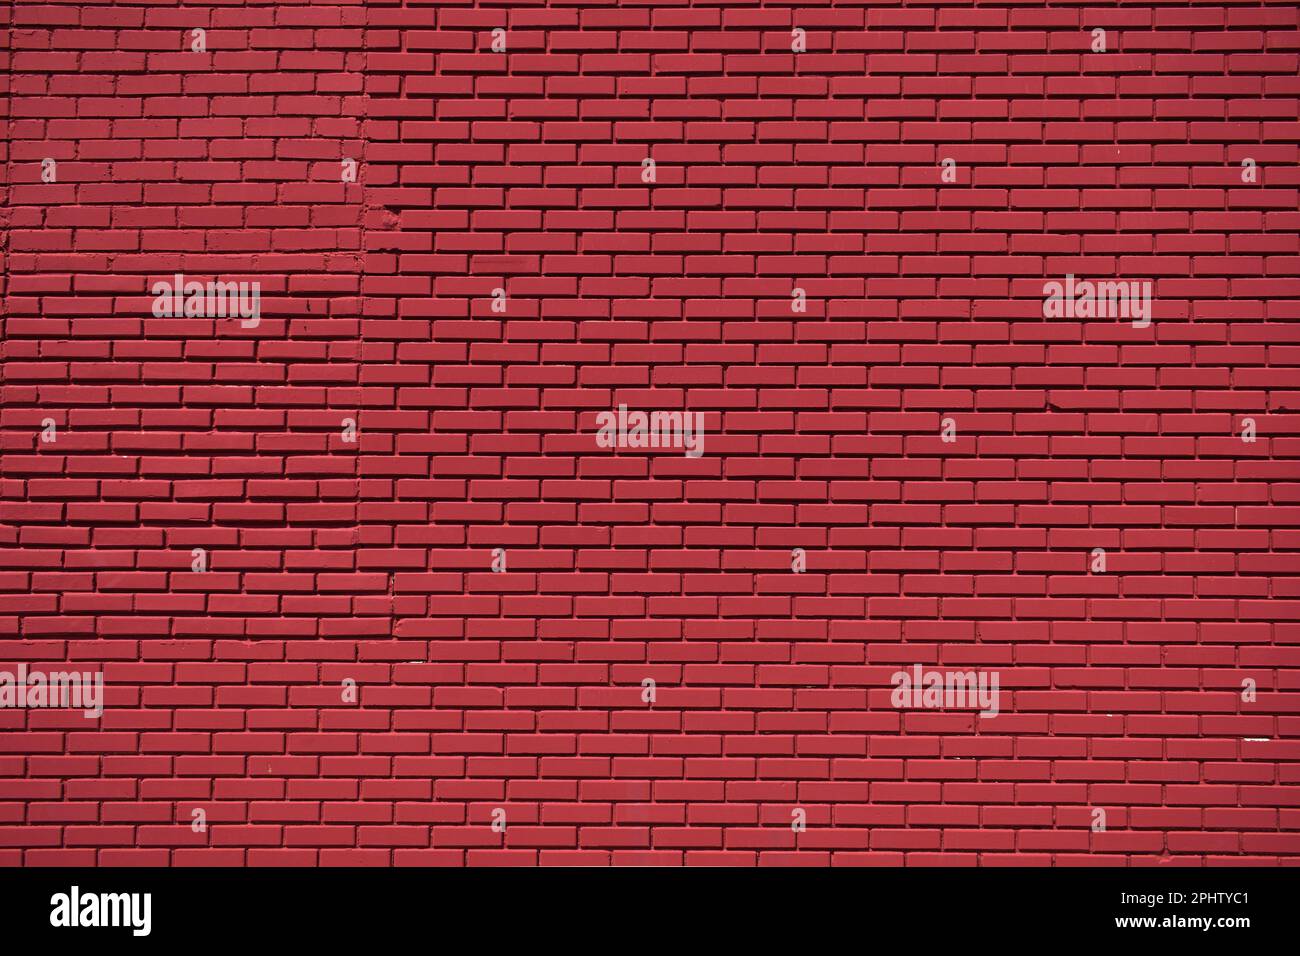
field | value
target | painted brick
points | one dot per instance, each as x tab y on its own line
348	464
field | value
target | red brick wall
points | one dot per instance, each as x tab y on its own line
371	561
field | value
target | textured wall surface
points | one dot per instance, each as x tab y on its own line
1098	512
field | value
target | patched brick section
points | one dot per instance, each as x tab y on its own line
440	620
